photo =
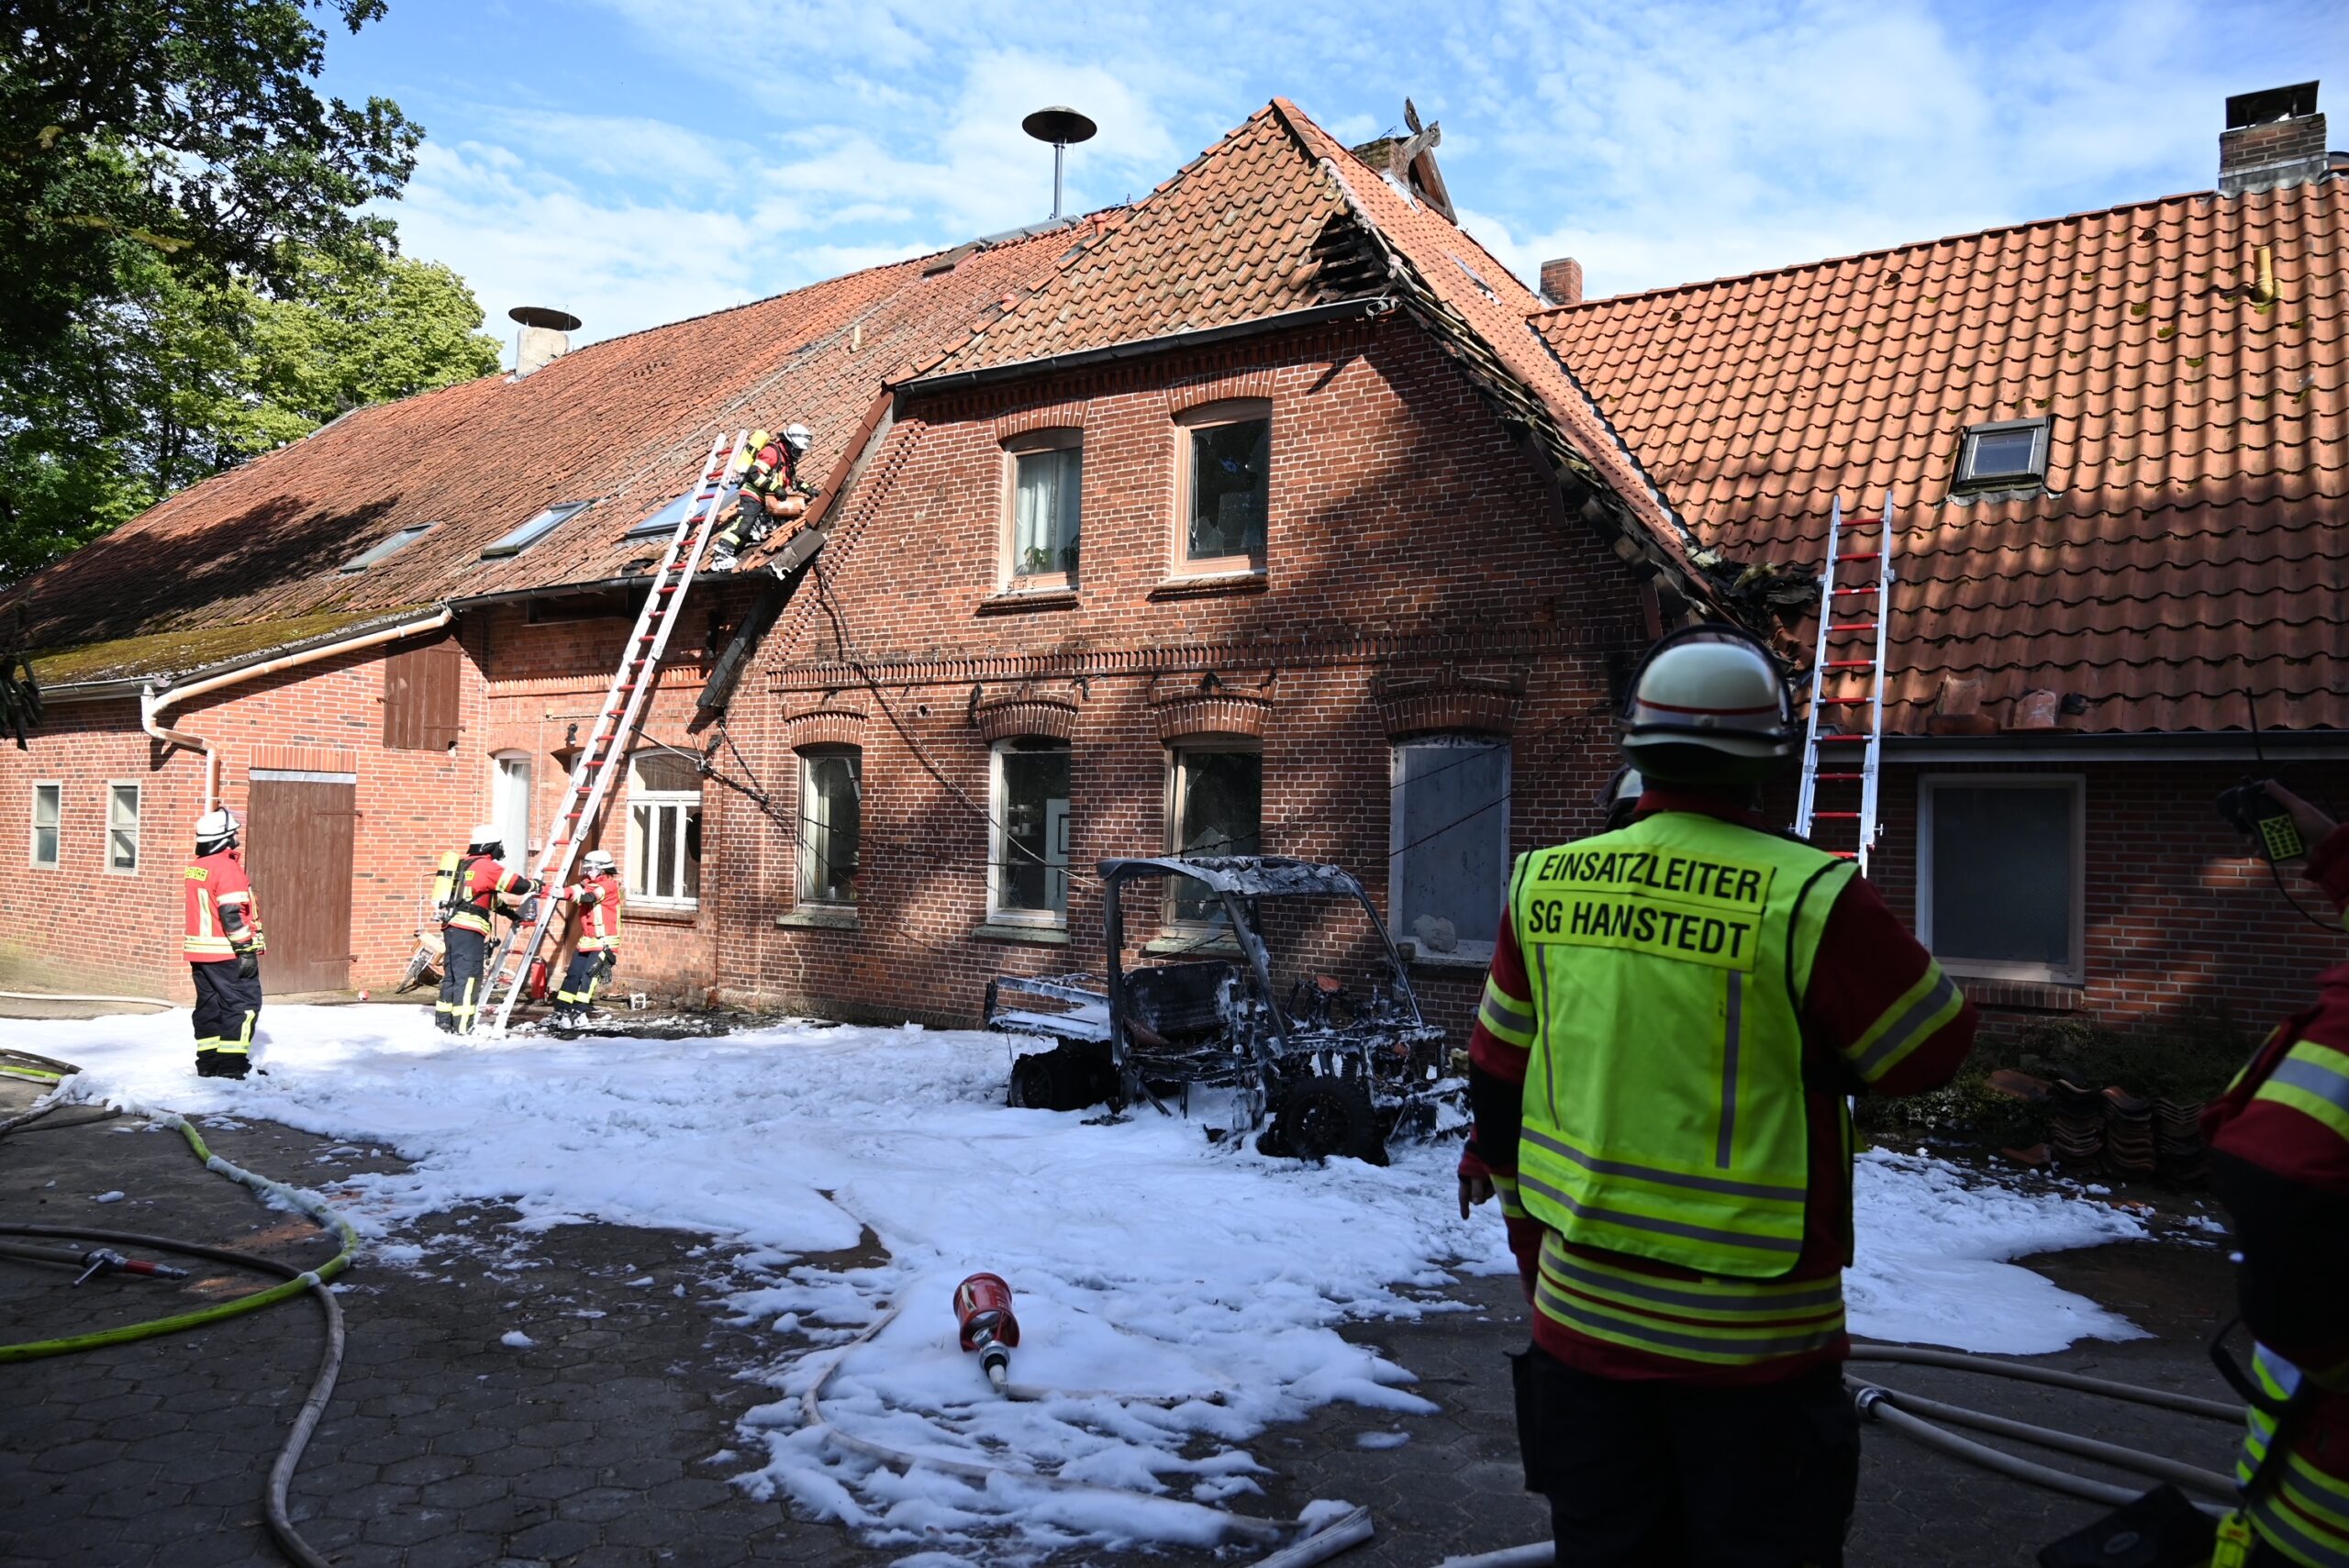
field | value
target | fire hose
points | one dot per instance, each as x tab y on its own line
294	1282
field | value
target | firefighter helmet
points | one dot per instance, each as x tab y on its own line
799	438
488	839
1707	707
597	862
216	830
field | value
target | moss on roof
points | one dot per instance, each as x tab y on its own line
182	652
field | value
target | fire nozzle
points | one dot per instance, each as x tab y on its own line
985	1323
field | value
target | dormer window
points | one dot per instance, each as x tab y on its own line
537	528
2006	456
398	541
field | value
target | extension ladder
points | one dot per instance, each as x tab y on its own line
1873	601
616	721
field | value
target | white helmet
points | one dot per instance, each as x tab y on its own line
799	438
1707	707
597	862
486	834
216	828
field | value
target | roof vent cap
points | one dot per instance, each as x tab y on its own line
545	337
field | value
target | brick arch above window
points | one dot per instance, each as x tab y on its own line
830	723
1217	713
1014	717
1449	701
1061	415
1237	386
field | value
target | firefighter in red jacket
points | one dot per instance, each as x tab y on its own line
223	945
2279	1142
1677	1011
597	897
769	491
467	889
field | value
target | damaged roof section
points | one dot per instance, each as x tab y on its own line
2189	359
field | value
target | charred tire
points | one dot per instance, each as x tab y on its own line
1322	1116
1061	1079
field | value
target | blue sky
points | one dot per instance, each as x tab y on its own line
635	162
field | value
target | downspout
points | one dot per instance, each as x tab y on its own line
153	703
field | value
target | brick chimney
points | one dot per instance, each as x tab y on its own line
2272	137
1562	281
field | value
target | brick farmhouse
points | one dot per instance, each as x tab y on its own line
1269	513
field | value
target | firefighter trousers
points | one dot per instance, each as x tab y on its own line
1661	1474
226	1008
585	976
460	969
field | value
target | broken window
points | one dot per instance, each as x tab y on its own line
1215	806
1046	482
122	826
830	824
537	528
1031	833
664	829
2003	456
47	810
1999	874
1228	487
1448	866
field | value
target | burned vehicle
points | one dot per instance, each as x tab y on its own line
1317	1065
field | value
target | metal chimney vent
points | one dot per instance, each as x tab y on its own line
1064	127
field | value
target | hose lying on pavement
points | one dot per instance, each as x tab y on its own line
295	1281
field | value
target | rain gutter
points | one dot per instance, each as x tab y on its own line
154	701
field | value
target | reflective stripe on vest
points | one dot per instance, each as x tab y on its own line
2302	1512
1665	1114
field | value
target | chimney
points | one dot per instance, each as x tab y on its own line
545	337
1561	281
2273	138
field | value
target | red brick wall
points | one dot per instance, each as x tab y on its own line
1410	536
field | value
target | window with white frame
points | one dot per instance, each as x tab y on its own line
2000	863
1215	806
1028	881
664	830
122	827
1047	485
49	806
1226	486
831	823
1448	860
509	803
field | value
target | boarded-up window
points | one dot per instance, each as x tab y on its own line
420	688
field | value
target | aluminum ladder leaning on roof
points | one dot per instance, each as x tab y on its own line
615	722
1838	635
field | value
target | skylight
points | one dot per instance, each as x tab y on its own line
537	528
398	541
664	522
2004	455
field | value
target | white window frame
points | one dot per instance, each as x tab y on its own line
138	814
1187	425
2073	973
1058	835
1177	792
804	871
1398	917
663	801
515	853
32	828
1010	578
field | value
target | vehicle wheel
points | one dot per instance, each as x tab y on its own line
1032	1081
1321	1117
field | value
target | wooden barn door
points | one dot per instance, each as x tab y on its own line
299	829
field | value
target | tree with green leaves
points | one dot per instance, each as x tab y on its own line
169	175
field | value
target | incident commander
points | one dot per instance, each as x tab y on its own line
1676	1014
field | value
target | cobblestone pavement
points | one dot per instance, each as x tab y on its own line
593	1446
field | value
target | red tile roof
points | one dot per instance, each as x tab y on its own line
2190	543
627	419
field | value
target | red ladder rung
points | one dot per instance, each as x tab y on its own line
1862	555
1851	627
1836	815
1823	777
1869	588
1843	702
1842	739
1849	664
1844	854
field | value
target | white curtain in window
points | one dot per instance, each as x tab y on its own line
1044	511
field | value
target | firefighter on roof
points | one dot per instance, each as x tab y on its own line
2279	1158
597	897
771	491
467	889
1676	1012
223	945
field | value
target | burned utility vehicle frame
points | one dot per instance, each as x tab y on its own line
1336	1068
